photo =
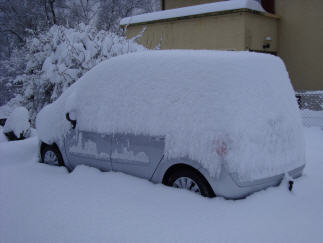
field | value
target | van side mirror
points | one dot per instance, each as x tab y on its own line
73	122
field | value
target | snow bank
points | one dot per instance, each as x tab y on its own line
18	122
194	10
235	109
46	204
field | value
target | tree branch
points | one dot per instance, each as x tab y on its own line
15	34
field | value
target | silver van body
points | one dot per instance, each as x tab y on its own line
143	157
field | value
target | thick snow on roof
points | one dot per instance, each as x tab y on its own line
194	10
202	101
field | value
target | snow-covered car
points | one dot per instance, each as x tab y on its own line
17	126
213	122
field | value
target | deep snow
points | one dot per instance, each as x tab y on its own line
41	203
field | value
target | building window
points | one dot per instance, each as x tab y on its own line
268	5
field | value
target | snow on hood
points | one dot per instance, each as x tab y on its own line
194	10
221	108
18	122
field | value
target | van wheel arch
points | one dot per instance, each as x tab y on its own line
190	171
54	148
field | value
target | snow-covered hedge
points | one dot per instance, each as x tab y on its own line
232	109
53	60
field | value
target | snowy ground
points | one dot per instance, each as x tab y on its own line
40	203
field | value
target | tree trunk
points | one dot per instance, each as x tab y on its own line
52	10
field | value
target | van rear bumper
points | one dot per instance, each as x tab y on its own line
228	186
295	173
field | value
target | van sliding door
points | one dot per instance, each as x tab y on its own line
136	155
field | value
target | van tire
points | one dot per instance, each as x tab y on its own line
51	151
204	187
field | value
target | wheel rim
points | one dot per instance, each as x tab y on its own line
187	184
50	158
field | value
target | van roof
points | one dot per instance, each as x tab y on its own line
195	99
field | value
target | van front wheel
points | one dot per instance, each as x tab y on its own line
50	155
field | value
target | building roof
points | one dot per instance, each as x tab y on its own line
194	10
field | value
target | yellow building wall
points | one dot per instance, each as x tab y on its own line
259	28
170	4
300	41
234	31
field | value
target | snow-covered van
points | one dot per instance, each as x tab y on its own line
214	122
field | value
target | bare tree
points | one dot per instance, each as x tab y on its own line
111	11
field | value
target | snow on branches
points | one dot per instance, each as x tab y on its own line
54	60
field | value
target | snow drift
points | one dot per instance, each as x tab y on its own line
224	109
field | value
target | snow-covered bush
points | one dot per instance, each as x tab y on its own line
18	123
54	60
